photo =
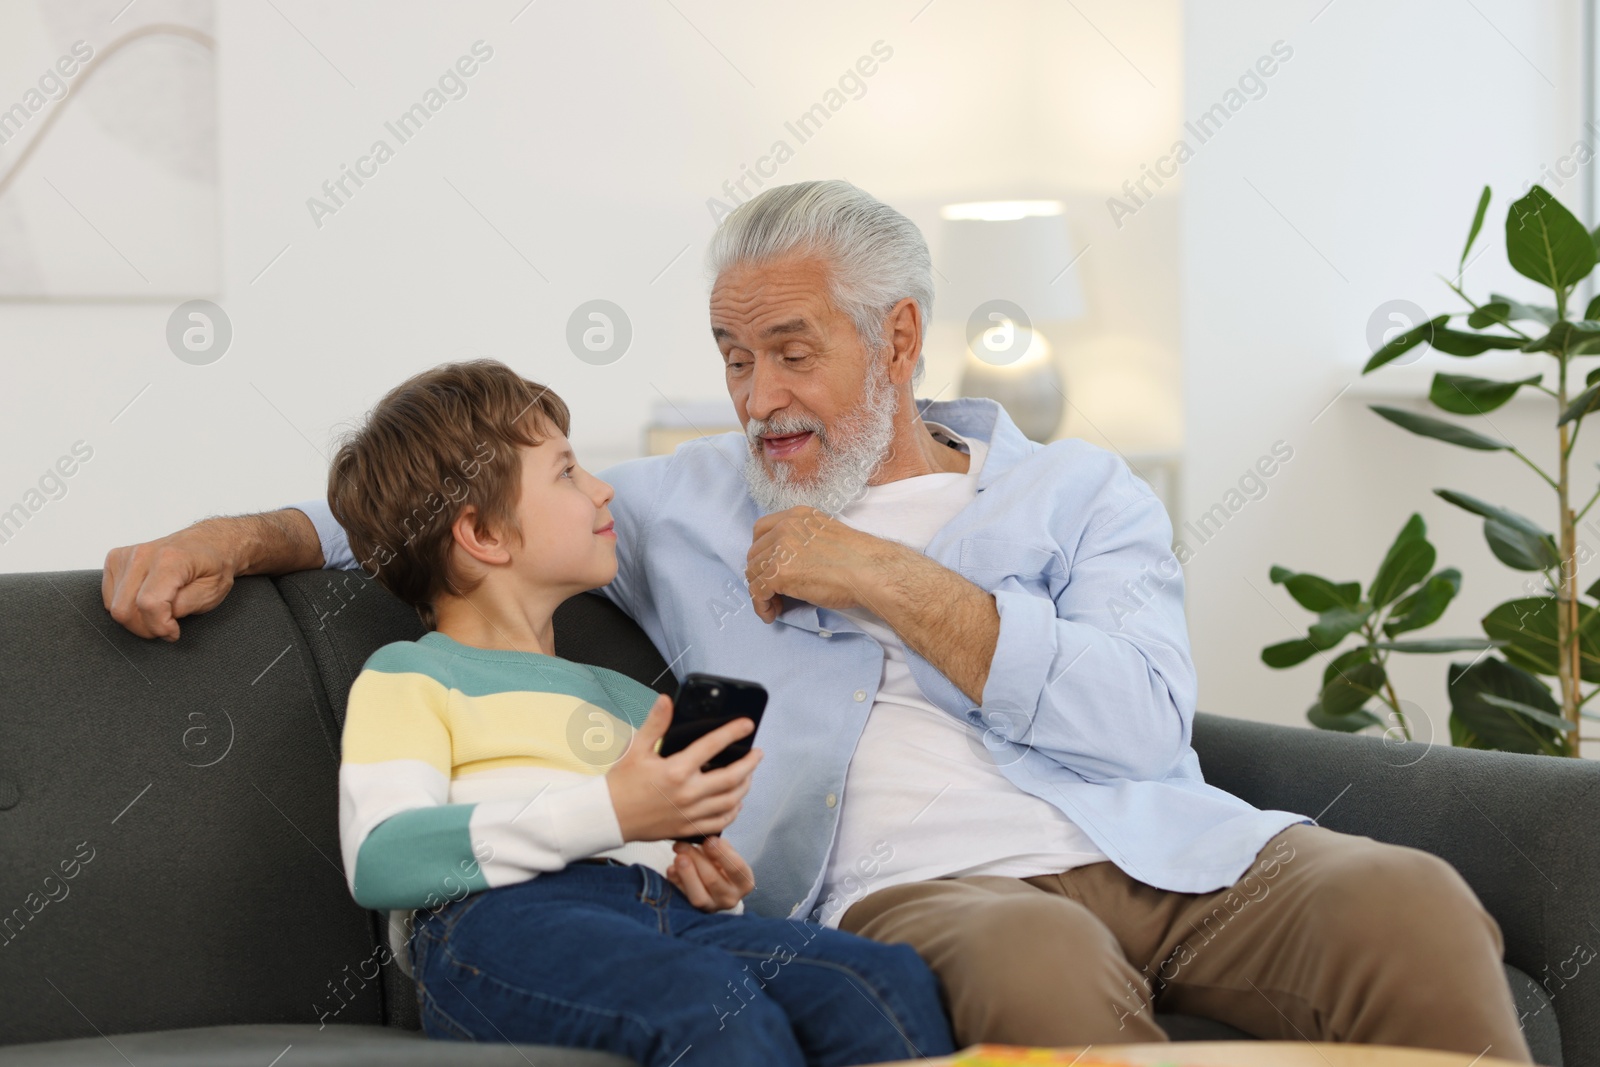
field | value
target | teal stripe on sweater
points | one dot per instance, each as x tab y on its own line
482	672
418	859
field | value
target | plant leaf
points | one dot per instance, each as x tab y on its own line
1516	541
1528	626
1546	242
1563	337
1487	510
1543	718
1518	549
1479	723
1317	594
1351	688
1424	606
1521	312
1401	343
1593	310
1449	432
1345	661
1439	644
1288	653
1465	343
1348	723
1494	313
1407	562
1462	394
1335	624
1477	224
1584	403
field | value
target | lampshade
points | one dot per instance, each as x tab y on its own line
1016	250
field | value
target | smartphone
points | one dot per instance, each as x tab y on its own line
705	702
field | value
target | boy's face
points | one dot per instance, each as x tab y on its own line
567	536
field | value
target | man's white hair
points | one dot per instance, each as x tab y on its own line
877	255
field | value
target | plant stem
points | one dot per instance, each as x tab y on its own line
1568	665
1393	699
1475	306
1549	480
1394	702
1587	506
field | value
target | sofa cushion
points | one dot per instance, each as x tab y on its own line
1515	826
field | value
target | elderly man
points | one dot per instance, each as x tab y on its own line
966	751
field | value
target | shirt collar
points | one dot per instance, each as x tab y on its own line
985	419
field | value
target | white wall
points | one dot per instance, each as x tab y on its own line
592	140
1373	143
595	135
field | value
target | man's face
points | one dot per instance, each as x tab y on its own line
815	405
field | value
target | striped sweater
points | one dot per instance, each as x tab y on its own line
466	769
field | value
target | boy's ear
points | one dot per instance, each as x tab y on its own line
483	544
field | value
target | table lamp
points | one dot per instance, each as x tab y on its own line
1006	264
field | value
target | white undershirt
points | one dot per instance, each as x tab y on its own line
923	796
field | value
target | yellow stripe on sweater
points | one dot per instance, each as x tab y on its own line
412	716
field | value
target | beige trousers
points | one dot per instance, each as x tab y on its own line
1328	937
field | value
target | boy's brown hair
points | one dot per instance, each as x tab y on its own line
435	443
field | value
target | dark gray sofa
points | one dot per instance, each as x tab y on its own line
171	891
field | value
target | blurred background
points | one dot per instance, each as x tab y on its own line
1194	308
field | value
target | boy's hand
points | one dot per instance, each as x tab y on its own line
712	875
659	797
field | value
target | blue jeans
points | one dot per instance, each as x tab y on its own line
614	957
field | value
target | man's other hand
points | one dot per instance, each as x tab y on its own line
150	586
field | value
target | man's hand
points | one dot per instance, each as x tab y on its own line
810	555
658	797
149	587
713	876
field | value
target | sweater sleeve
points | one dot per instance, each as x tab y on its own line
404	844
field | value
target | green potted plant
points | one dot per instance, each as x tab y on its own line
1500	699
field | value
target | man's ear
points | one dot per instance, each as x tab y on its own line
483	544
903	332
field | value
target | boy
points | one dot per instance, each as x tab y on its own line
518	797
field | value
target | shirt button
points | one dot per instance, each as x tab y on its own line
824	633
833	800
861	694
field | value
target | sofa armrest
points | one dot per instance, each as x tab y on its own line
1520	829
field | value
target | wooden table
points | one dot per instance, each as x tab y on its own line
1245	1054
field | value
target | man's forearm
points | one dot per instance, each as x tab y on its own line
273	542
944	618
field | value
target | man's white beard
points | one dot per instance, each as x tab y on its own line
850	455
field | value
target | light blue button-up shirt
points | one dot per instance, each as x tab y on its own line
1090	695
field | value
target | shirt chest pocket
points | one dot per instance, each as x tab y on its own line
987	562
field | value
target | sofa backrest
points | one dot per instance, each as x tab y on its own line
169	811
169	821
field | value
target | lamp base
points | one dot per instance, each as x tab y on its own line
1034	397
